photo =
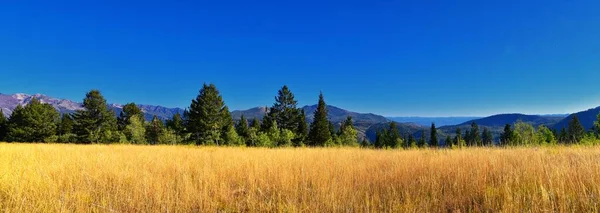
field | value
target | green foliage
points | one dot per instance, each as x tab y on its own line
596	125
422	140
263	140
508	136
474	138
487	138
393	139
129	110
545	136
154	130
448	141
3	126
66	124
433	138
232	138
349	135
92	124
177	125
135	131
284	111
576	131
286	138
205	118
525	133
302	131
319	130
243	129
563	136
33	123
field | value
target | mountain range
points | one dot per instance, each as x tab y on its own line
367	124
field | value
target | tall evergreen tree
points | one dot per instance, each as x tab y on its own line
563	136
284	111
66	124
422	141
508	136
96	121
576	130
255	124
154	130
596	125
33	123
177	124
129	110
319	133
379	142
433	139
3	126
207	116
393	137
302	131
487	137
242	128
458	138
475	138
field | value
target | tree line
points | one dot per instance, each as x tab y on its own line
207	121
521	134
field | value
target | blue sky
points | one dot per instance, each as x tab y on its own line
396	58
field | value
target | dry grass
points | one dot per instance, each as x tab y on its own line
100	178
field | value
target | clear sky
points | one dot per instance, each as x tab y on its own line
396	58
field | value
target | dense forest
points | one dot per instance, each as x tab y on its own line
207	121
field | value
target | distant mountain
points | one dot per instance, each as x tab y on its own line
9	102
439	121
502	119
586	118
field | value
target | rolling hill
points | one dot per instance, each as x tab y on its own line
586	118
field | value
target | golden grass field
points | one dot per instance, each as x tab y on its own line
127	178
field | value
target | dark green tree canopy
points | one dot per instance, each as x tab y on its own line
319	133
207	116
284	111
95	120
33	123
129	110
576	131
433	138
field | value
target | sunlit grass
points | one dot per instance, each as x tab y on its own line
126	178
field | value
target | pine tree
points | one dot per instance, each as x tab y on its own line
154	130
475	138
378	139
334	136
3	126
365	143
433	139
458	138
284	111
487	137
302	131
422	141
507	137
177	124
563	136
596	126
35	122
243	129
66	124
576	130
129	110
227	124
319	133
393	136
255	124
96	121
205	117
232	138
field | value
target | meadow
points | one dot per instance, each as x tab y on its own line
128	178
